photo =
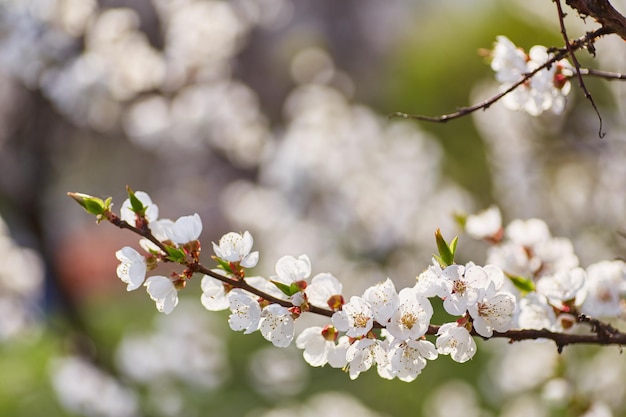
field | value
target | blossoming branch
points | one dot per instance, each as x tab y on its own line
531	287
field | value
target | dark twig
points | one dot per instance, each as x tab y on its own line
610	76
604	334
572	55
483	105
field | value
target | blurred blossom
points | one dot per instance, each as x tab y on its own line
206	46
557	391
598	409
270	14
330	171
327	404
600	377
454	398
181	347
21	286
523	406
521	366
84	389
278	373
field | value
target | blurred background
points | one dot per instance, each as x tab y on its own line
271	116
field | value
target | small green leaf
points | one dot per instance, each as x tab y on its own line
135	204
288	290
446	252
525	285
175	254
92	205
453	246
222	264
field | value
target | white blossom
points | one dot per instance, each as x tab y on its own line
235	247
430	283
132	269
527	232
214	296
545	90
277	325
485	224
159	229
337	354
466	285
315	346
185	229
603	290
356	318
494	312
412	317
408	358
562	286
323	286
535	313
362	354
245	311
128	215
456	341
383	299
162	290
290	269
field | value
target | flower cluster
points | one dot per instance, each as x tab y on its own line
531	281
382	326
180	236
546	90
545	275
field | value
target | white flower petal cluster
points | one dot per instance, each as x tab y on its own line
132	271
456	341
214	296
405	318
236	247
185	229
484	225
546	90
162	290
529	250
325	291
290	269
128	215
604	290
133	266
556	287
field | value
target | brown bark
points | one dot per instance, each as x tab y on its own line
602	12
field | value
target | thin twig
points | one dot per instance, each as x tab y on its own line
572	55
610	76
604	334
483	105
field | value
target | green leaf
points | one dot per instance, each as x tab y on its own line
453	246
222	264
175	255
135	204
525	285
446	252
92	205
288	290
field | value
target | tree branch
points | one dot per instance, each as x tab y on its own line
604	334
483	105
602	12
572	55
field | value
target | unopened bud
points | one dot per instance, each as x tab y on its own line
92	205
330	333
335	302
